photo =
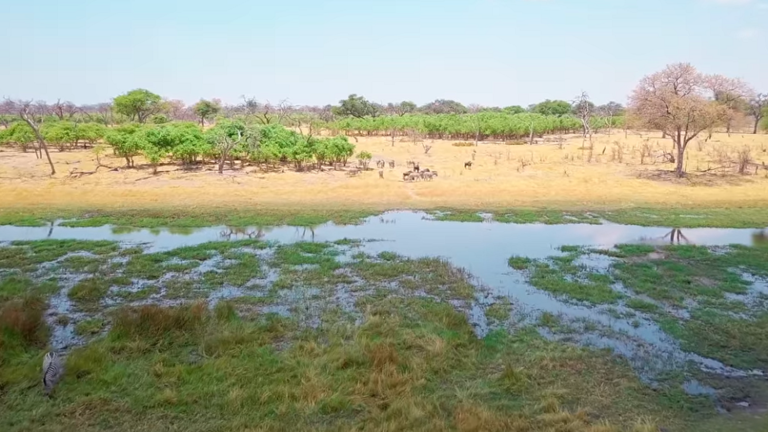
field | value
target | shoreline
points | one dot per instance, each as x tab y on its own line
755	217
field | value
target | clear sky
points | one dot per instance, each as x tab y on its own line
491	52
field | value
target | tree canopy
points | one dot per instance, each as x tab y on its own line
138	105
358	107
552	107
206	109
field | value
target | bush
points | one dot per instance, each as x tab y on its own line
22	324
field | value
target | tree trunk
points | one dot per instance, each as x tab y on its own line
679	168
757	123
222	159
41	142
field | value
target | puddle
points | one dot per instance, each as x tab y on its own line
483	249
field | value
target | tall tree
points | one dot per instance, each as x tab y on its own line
402	108
552	107
138	104
758	108
677	102
206	109
583	109
358	107
444	106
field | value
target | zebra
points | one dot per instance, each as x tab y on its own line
468	165
53	370
392	164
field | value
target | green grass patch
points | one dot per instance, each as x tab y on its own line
520	262
641	305
457	216
90	326
500	311
87	293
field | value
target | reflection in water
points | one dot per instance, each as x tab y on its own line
235	233
674	237
760	238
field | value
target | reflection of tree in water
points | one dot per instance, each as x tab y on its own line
674	237
303	231
236	233
760	238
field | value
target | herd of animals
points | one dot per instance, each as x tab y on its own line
415	171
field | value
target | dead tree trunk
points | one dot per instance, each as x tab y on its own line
40	140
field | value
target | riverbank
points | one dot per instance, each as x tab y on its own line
196	217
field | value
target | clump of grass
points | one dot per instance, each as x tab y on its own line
89	292
142	294
463	144
90	326
520	262
51	250
594	288
153	323
642	305
499	311
550	217
82	263
22	324
307	253
457	216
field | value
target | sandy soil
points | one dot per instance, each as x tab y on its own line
547	174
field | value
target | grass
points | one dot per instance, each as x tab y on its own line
499	311
88	292
90	326
411	365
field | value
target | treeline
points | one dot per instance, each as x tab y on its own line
186	143
481	126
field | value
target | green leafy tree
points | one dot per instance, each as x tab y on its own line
402	108
358	107
365	158
138	105
20	134
126	141
61	134
159	119
92	133
206	109
444	106
552	107
228	135
514	109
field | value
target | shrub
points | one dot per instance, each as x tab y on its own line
152	323
22	323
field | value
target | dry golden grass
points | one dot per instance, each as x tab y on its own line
543	175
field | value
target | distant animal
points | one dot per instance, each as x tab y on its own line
381	173
380	164
414	176
425	170
407	174
468	165
53	370
416	168
392	164
426	175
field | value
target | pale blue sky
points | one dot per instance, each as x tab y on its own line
491	52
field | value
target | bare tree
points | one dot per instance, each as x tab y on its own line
609	111
475	110
733	93
25	110
675	101
583	108
757	107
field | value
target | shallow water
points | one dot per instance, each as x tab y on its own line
481	248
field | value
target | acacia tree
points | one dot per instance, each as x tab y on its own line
675	101
757	108
206	109
608	112
402	108
138	104
228	135
358	107
552	107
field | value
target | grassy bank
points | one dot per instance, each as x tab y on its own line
156	217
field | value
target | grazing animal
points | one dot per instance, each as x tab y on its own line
381	173
392	164
409	163
53	369
468	165
380	164
414	176
407	174
416	168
